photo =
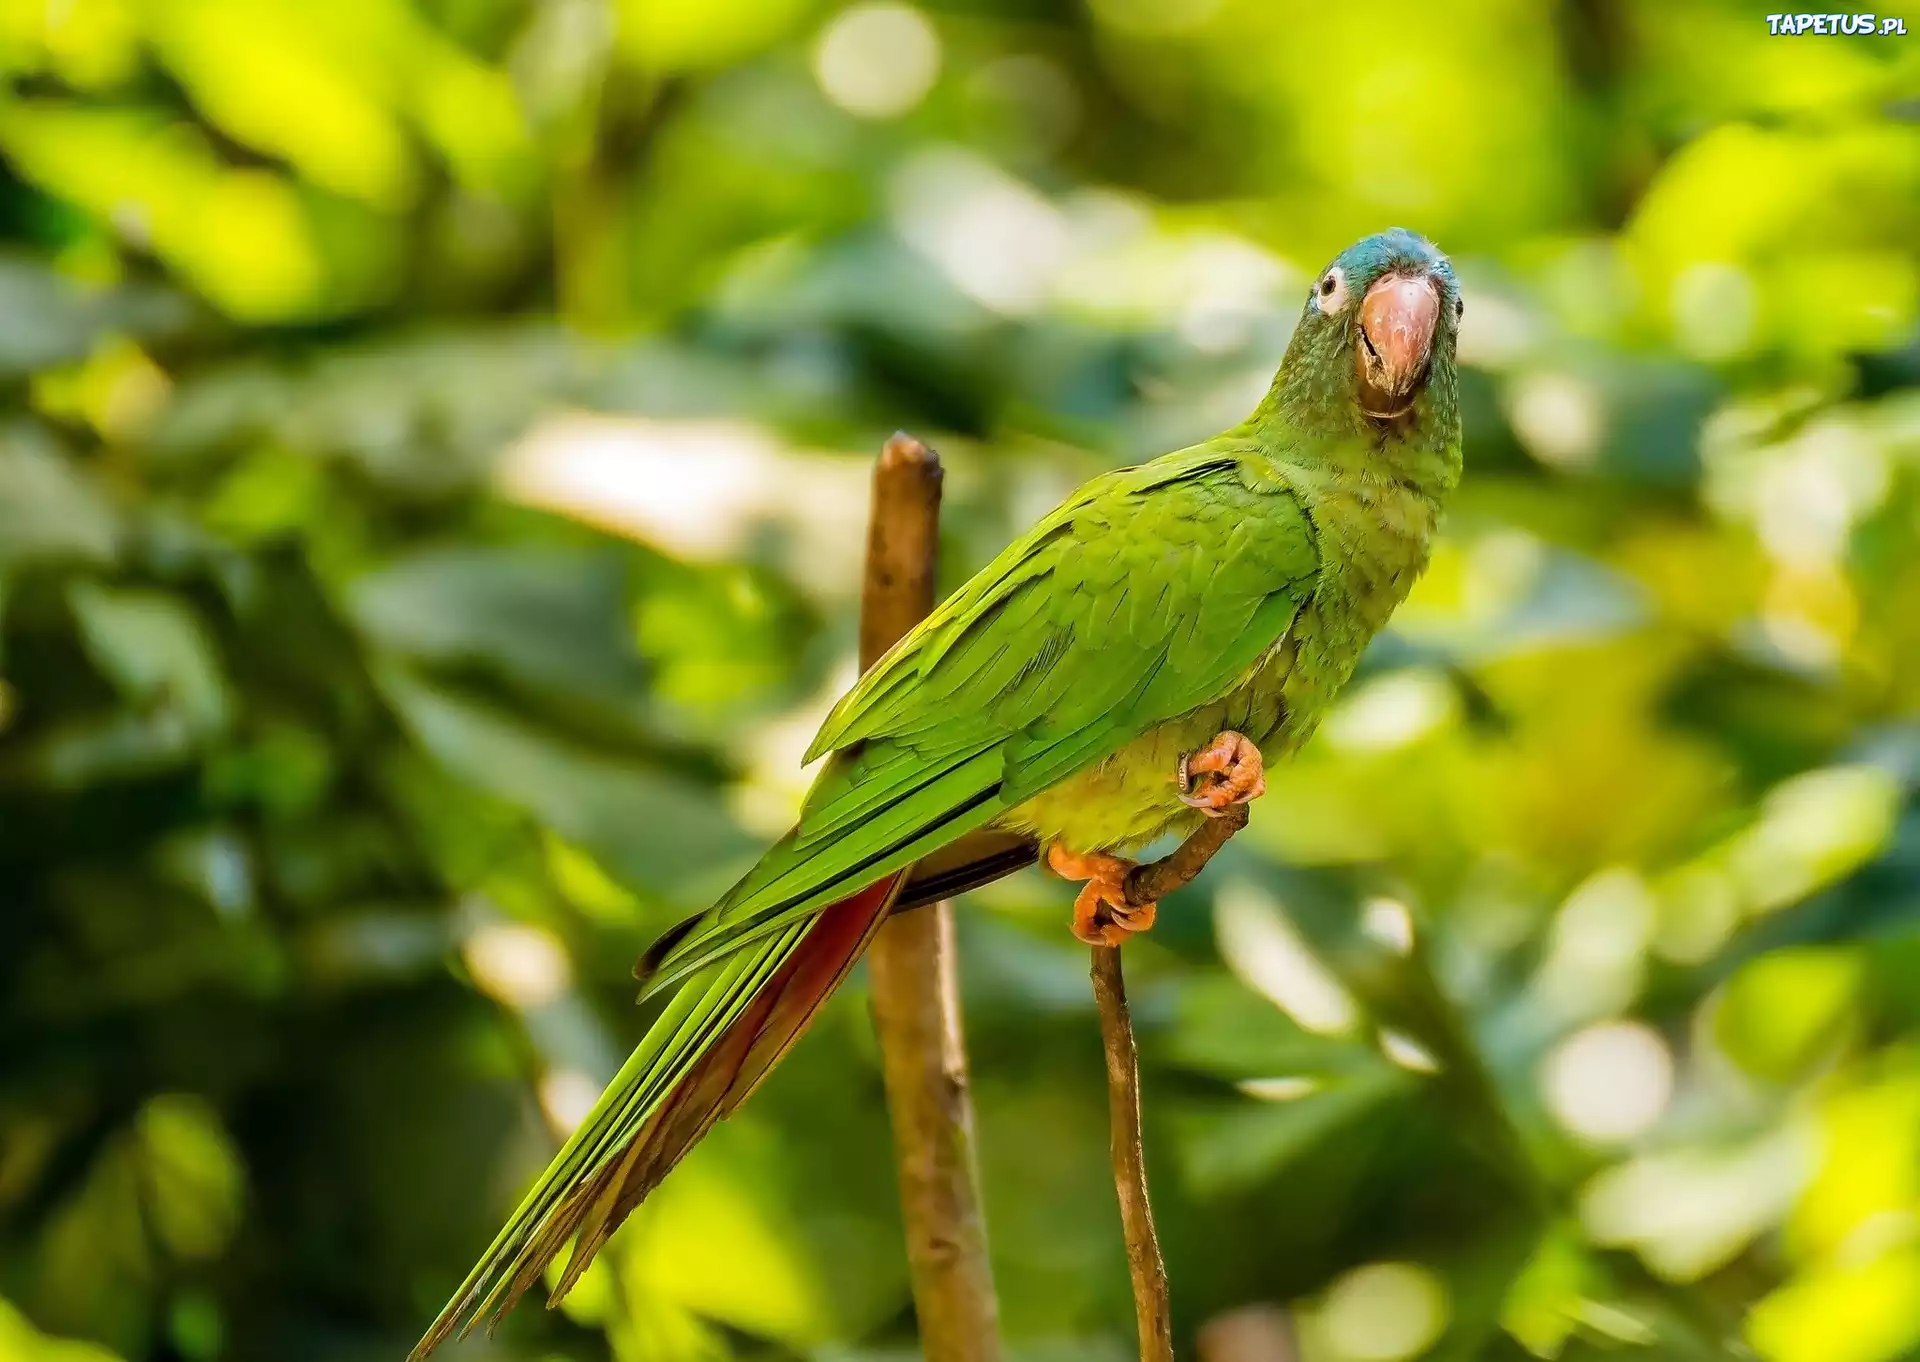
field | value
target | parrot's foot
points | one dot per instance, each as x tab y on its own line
1237	764
1101	914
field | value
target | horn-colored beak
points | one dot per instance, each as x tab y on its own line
1397	318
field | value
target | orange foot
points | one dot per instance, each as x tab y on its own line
1101	914
1240	774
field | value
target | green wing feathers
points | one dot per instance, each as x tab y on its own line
1153	590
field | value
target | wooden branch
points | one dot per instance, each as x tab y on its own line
1152	1307
916	1002
1152	1310
1155	880
903	545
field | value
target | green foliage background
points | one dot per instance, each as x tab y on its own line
431	484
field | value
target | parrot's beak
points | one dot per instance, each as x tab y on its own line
1397	318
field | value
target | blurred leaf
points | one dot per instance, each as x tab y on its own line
1690	1211
657	830
46	319
282	768
95	1264
1544	1304
1788	1010
423	416
81	752
672	35
21	1342
1234	1147
48	509
552	620
1865	1312
244	237
192	1175
1227	1030
710	1245
1870	1170
155	649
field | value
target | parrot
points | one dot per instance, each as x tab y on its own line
1119	673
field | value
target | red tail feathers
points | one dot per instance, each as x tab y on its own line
722	1079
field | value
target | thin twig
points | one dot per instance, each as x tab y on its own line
1149	883
1145	1267
916	1004
1155	880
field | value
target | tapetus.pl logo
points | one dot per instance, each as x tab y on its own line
1794	25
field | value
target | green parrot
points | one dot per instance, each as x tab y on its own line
1120	672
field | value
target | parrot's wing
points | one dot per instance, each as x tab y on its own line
1149	593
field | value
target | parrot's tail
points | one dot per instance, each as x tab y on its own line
722	1033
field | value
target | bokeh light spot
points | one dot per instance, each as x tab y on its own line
1558	418
1596	951
1609	1083
1388	922
1265	951
1384	1312
1391	712
516	964
1407	1053
878	60
1287	1088
997	240
566	1096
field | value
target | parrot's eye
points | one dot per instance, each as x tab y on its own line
1459	307
1330	294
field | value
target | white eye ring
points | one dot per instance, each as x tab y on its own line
1330	294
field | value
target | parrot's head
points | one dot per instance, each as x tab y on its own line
1377	332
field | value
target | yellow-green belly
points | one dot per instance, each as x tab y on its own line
1119	804
1122	803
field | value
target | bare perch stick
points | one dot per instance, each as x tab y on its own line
1155	880
916	1004
1147	1269
1145	1266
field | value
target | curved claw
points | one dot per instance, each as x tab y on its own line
1210	808
1238	770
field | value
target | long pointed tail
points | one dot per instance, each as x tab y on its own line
722	1033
